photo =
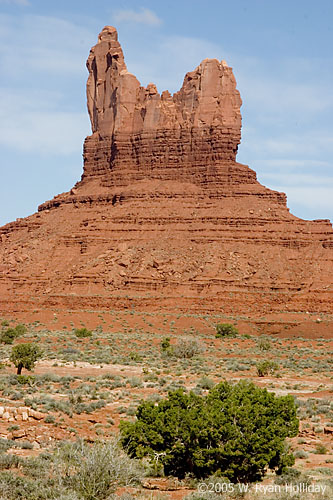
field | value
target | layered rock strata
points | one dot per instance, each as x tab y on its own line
164	216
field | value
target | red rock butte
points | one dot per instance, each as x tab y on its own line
164	217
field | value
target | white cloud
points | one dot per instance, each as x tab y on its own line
56	133
42	108
143	16
23	3
42	44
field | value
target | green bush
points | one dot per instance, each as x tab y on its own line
49	419
10	334
225	330
25	379
320	449
265	368
20	329
82	333
237	431
25	356
134	356
165	344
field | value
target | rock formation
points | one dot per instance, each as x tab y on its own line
162	136
163	214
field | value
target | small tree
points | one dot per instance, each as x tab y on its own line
25	356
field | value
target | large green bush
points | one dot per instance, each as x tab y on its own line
237	431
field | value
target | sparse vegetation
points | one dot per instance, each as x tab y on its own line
118	369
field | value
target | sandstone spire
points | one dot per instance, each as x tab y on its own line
202	120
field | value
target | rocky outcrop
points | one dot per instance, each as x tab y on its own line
21	413
164	215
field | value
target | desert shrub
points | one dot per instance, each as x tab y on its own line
205	383
320	449
82	332
89	408
7	461
300	454
8	336
48	377
20	329
14	487
265	368
135	382
134	356
204	496
186	349
292	476
264	344
26	379
70	350
5	444
225	330
94	472
25	445
49	419
236	430
165	344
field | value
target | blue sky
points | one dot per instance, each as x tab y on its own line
280	50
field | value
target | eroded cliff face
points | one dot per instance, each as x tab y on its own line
164	216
